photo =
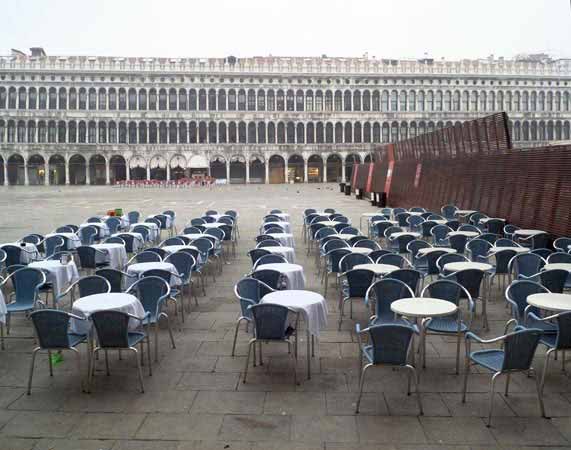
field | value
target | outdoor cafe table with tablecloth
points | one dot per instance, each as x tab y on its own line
60	275
30	252
153	228
3	309
85	306
283	225
285	239
116	255
101	227
312	308
137	269
138	240
72	239
287	252
293	273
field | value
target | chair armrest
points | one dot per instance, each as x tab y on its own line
475	337
76	317
140	319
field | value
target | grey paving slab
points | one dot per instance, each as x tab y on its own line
256	428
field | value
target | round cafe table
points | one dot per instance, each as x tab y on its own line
313	309
293	273
213	225
550	301
287	252
60	275
464	212
525	233
361	250
495	250
135	270
116	255
561	266
85	306
457	266
330	223
285	239
404	233
468	234
427	250
422	308
285	226
378	269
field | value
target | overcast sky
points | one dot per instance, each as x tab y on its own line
451	29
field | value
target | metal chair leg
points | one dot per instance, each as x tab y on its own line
539	394
236	336
34	353
419	400
139	369
50	363
492	386
252	342
361	383
545	366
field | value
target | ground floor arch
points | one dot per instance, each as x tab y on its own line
77	170
257	169
276	165
117	169
296	169
16	168
97	170
218	168
158	168
137	168
350	161
334	168
237	169
177	167
56	169
315	169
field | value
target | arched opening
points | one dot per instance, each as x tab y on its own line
218	168
295	169
77	169
277	169
178	167
137	168
2	181
36	170
117	169
158	168
97	170
198	165
350	161
369	158
257	170
15	170
334	168
57	169
237	169
315	169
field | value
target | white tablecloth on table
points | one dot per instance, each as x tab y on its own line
361	250
346	236
457	266
427	250
170	220
379	269
398	234
527	232
85	306
176	248
295	278
468	234
495	250
283	225
153	228
330	223
116	255
311	305
29	253
194	236
137	269
138	240
213	225
60	275
287	252
3	309
102	227
72	239
284	216
286	239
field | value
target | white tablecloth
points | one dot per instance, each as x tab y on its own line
116	255
213	225
285	239
102	227
295	278
170	220
283	225
60	275
137	269
194	235
86	306
287	252
152	227
284	216
138	240
73	240
3	308
312	306
29	253
175	248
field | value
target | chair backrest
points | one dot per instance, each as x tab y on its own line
489	237
87	256
257	253
414	222
154	220
64	229
385	292
2	256
471	280
431	261
92	284
402	219
147	256
393	259
129	239
88	234
323	232
478	249
269	227
355	239
13	254
183	262
410	277
170	213
232	213
349	230
391	230
417	209
449	211
115	240
26	282
469	227
113	223
379	228
503	258
427	227
159	251
554	279
386	212
562	244
402	242
151	291
358	282
474	218
53	244
458	242
276	211
51	328
505	242
391	343
398	210
509	229
250	291
540	240
367	243
160	273
31	239
197	221
543	252
376	254
269	277
351	260
216	232
448	258
448	290
559	257
563	340
114	277
112	328
269	243
342	219
193	230
270	321
133	217
454	224
333	244
271	218
519	349
334	257
517	293
270	259
172	241
526	264
228	231
211	212
439	232
495	226
93	220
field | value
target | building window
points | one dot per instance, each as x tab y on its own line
376	101
212	100
299	100
261	100
280	102
338	133
102	99
32	98
192	100
52	98
402	101
222	100
309	100
430	101
92	99
338	101
182	100
385	101
162	100
328	101
112	99
132	99
143	100
22	98
251	100
172	100
122	100
366	101
347	105
82	98
420	101
412	101
271	100
241	100
290	100
394	101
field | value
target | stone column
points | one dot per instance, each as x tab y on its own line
46	173
342	172
127	171
67	173
325	171
305	174
168	172
227	172
107	172
247	172
5	172
286	169
267	164
148	172
26	178
87	174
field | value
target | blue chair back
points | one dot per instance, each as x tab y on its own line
505	242
151	291
216	232
478	249
197	221
51	328
114	277
439	233
269	277
554	279
526	264
53	244
269	243
334	243
426	228
184	264
469	227
449	258
402	219
257	253
172	241
349	230
334	257
449	211
516	296
270	259
129	239
503	258
471	280
87	256
192	230
495	226
562	244
415	245
115	240
250	291
519	349
391	343
113	223
133	217
379	228
112	328
385	292
26	282
358	282
393	259
88	235
13	254
228	230
410	277
559	257
94	220
367	243
64	229
92	284
489	237
458	242
147	256
376	254
270	321
563	340
351	260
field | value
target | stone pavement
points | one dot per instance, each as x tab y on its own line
195	398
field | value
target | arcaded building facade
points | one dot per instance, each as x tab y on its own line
99	120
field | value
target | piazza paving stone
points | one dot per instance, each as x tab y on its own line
196	398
